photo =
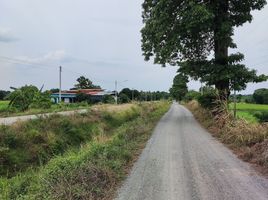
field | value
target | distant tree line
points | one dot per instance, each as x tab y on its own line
127	95
3	94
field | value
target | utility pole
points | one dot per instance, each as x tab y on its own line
116	92
235	100
132	94
202	88
60	85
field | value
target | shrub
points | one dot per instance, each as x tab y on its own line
108	99
41	100
191	95
262	116
81	97
208	100
23	97
123	98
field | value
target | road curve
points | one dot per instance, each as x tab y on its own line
182	161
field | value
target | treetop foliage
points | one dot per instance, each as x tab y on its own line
185	30
179	87
185	33
85	83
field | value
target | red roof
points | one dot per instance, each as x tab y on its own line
85	91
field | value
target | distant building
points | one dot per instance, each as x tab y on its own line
70	96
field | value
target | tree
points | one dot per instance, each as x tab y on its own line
85	83
54	90
23	97
29	96
185	32
179	88
261	96
4	94
127	92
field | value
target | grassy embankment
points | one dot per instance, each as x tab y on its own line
9	112
248	140
84	156
246	111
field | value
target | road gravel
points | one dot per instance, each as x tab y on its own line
182	161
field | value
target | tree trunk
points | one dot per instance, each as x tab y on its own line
221	45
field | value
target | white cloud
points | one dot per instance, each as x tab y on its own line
6	35
51	57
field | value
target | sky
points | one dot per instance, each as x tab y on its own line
100	40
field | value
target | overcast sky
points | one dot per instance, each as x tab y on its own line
99	39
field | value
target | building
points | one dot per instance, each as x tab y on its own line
70	96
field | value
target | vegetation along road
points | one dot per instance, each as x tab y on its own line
12	120
183	161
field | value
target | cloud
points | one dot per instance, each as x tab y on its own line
50	57
6	35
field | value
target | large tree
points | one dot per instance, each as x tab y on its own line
186	32
85	83
179	88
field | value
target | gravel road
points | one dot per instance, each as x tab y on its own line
183	161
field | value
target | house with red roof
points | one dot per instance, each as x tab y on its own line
70	96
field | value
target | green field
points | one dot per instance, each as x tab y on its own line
246	111
3	104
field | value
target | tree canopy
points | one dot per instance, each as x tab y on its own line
185	33
179	88
85	83
29	96
260	96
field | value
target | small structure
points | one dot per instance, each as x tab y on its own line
70	96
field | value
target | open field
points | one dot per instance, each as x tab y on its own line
84	156
246	111
3	105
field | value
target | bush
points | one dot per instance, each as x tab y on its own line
262	116
29	97
108	99
23	97
41	100
81	97
208	100
123	98
191	95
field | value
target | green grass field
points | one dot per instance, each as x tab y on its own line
246	111
3	104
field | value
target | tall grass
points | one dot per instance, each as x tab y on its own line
248	139
95	170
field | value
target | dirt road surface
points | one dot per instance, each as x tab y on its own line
182	161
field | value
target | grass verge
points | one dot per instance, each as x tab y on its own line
5	111
248	140
96	168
